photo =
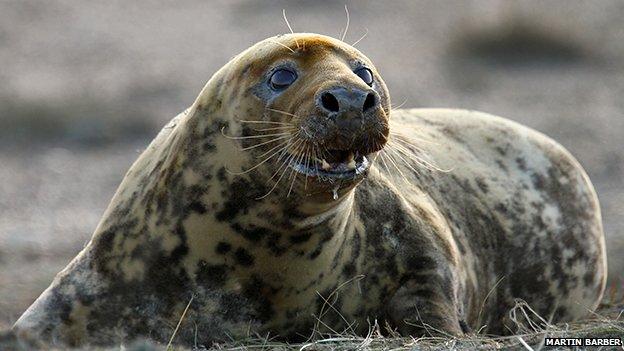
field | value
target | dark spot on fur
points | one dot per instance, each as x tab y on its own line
211	276
502	166
301	238
521	162
197	207
223	248
208	146
538	181
221	175
240	196
464	327
243	257
588	278
273	244
500	150
182	249
348	270
258	292
315	253
253	234
482	185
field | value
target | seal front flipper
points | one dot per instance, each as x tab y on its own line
428	309
86	307
58	316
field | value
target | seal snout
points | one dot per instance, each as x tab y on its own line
354	125
353	117
347	103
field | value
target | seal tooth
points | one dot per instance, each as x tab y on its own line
326	166
350	161
350	158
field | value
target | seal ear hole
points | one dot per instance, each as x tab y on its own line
369	102
330	102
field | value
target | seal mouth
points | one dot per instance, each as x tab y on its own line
335	164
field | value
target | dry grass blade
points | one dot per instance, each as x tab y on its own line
334	292
484	302
526	346
179	323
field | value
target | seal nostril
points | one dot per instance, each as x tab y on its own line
369	102
330	102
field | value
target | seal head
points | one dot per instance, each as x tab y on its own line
308	104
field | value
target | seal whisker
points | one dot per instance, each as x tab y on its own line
283	128
393	162
264	143
399	140
387	158
285	142
284	166
361	38
281	147
344	34
294	174
250	136
421	137
285	169
383	162
264	122
286	46
263	161
399	105
307	165
420	155
288	156
283	112
289	27
295	154
407	164
429	164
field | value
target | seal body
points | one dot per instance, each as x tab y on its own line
293	202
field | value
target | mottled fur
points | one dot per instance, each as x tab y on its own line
515	216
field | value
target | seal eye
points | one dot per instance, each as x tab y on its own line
366	75
282	78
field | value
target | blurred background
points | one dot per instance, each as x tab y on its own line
85	86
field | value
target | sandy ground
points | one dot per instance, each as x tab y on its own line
84	88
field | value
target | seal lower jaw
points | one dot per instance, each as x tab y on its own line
348	167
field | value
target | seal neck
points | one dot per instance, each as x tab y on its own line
320	214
